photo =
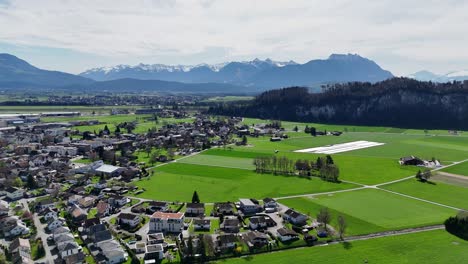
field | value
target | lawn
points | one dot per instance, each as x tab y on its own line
460	169
382	209
355	226
448	194
220	161
178	181
410	248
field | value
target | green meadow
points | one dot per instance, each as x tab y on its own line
460	169
177	181
432	247
381	209
434	191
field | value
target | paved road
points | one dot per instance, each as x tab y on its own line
41	234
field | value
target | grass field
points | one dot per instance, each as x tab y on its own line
379	208
178	181
460	169
432	247
66	108
456	196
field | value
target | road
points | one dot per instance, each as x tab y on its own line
41	234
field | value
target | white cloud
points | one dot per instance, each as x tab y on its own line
428	34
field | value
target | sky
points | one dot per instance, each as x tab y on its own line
403	36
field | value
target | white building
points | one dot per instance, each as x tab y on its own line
166	222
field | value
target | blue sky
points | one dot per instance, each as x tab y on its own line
401	36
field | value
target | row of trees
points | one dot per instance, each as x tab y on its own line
323	167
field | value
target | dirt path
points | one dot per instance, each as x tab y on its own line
451	175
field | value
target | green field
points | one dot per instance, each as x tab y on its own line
448	194
178	181
381	209
460	169
432	247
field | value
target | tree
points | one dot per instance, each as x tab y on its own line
117	130
307	129
244	140
426	175
419	175
313	131
324	217
155	118
170	153
154	158
148	150
296	129
31	183
341	226
329	160
329	172
319	163
195	198
106	130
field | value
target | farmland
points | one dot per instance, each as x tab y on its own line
460	169
177	181
409	248
379	208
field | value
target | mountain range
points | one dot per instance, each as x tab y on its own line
256	73
231	77
442	78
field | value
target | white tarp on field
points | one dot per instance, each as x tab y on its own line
332	149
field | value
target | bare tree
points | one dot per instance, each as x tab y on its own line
341	226
324	217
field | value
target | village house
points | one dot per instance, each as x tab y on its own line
260	222
285	234
129	220
68	248
270	204
48	214
201	224
224	208
156	238
154	252
118	200
14	193
195	209
20	250
247	206
230	225
53	224
113	252
295	217
226	241
256	239
166	222
103	209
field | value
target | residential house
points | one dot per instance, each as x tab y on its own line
113	252
285	234
86	201
256	239
224	208
16	229
118	200
249	207
155	251
130	220
20	250
48	214
14	193
156	238
226	241
103	209
195	209
269	203
155	206
201	224
260	222
53	224
68	248
166	222
295	217
230	225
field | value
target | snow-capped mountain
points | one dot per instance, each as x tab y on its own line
448	77
160	71
256	73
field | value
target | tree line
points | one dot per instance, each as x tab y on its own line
397	102
323	167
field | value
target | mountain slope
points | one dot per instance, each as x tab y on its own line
256	73
15	72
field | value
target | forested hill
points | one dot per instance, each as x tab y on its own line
398	102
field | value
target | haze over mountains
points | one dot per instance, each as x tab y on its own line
232	77
429	76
